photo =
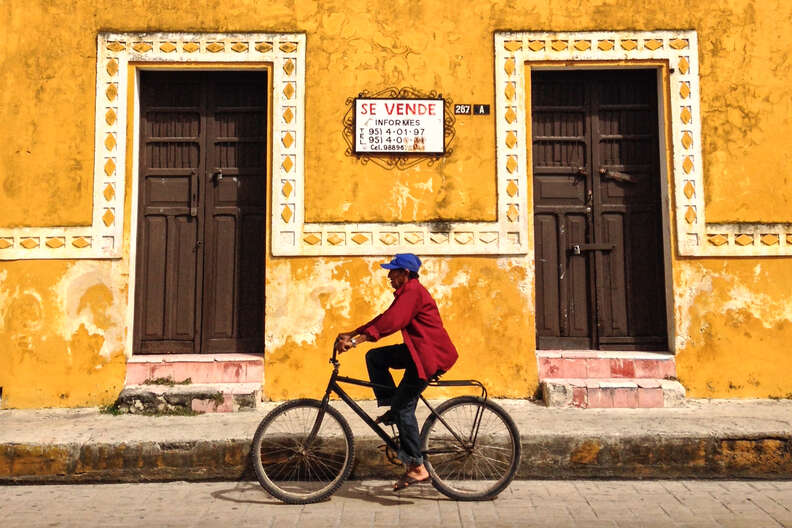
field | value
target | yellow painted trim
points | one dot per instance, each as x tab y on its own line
599	64
143	65
128	176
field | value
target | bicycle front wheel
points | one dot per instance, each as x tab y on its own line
471	448
294	466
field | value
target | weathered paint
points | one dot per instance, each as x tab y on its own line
574	455
61	333
481	301
734	325
63	324
390	44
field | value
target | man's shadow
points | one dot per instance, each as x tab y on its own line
247	492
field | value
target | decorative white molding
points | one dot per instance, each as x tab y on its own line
695	237
292	236
506	236
104	237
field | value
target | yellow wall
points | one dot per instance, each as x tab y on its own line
734	325
62	324
61	333
486	305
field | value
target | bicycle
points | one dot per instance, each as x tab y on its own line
303	450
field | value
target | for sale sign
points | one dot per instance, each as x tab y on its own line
399	126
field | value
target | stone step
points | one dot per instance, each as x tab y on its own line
598	364
612	393
198	368
189	399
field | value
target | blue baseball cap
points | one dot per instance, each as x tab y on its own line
406	261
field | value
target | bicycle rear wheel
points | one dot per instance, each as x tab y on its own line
471	448
295	468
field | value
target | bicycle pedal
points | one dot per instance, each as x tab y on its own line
390	455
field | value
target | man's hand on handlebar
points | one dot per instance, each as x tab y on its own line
347	340
344	342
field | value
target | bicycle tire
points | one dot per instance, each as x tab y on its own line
283	466
453	466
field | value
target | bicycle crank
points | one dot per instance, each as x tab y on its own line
390	454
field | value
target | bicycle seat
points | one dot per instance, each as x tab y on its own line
436	375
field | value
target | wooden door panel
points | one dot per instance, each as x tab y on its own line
226	191
562	281
627	210
201	251
559	190
155	265
221	288
169	284
236	209
173	122
252	192
169	155
576	277
546	253
241	122
185	229
612	283
585	122
560	155
167	192
647	303
251	287
169	256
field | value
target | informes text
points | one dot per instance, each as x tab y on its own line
405	126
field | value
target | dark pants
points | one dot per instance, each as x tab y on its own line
402	399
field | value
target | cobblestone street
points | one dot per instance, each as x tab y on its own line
700	504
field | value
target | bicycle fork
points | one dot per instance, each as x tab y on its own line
322	410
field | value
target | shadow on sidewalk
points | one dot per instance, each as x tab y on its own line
245	492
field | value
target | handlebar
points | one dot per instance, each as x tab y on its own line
334	360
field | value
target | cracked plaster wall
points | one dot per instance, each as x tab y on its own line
61	333
47	104
62	322
734	327
486	305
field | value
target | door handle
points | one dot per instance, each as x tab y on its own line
578	249
617	176
217	175
194	193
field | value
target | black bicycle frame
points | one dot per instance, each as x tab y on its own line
333	387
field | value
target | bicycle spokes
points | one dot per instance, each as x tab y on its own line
302	453
471	447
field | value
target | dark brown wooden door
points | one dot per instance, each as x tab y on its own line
597	210
202	216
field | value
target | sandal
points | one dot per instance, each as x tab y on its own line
406	481
386	419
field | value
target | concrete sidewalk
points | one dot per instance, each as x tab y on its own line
703	439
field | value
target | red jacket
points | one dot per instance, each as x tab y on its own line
415	313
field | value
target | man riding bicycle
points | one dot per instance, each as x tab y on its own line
427	351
